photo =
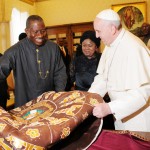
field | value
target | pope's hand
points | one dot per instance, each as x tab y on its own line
101	110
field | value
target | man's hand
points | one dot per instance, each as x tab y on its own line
101	110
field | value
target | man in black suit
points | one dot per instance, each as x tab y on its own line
66	58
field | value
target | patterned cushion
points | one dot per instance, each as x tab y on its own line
46	120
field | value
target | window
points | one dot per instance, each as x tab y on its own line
17	24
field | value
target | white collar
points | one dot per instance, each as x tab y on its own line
119	37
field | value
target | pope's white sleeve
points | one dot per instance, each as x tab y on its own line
131	102
98	86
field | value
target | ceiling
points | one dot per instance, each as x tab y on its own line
32	1
38	0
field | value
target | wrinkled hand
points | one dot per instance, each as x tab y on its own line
101	110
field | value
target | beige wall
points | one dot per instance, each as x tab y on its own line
56	12
6	7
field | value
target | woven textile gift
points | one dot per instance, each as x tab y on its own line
46	120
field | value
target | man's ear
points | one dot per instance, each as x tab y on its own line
113	29
27	31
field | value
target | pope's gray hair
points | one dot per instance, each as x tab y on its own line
116	23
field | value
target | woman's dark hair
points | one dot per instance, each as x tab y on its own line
92	36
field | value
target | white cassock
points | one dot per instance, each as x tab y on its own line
124	72
148	44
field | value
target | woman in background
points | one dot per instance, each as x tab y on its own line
83	67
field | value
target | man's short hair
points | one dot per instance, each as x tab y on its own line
33	18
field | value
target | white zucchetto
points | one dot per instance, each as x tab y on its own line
108	14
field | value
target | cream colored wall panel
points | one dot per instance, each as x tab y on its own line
6	7
57	12
4	35
21	6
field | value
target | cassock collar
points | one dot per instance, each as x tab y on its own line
117	40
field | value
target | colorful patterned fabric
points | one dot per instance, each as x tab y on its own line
46	120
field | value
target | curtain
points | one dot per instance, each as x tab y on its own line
17	24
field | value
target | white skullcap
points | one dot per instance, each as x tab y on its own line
108	14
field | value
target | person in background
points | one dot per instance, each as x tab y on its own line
64	51
145	34
123	72
4	94
36	63
22	36
66	58
83	67
78	50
